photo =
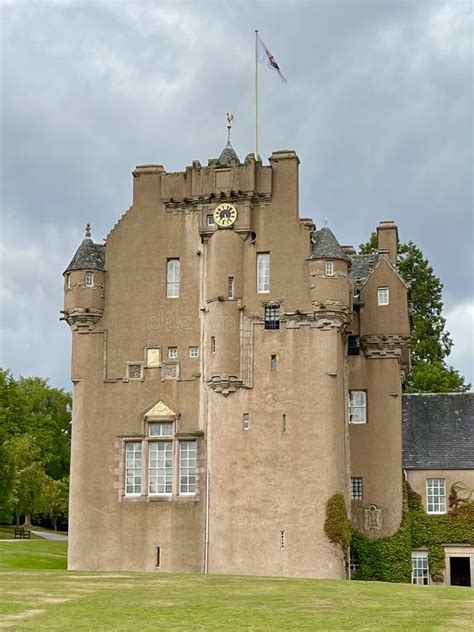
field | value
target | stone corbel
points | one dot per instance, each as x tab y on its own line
225	384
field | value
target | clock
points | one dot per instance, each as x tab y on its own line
225	215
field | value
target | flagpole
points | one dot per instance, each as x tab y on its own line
256	95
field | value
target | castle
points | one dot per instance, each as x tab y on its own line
233	368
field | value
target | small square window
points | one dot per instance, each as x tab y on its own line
172	353
329	268
89	279
272	317
210	220
135	371
194	352
246	421
353	345
356	488
383	296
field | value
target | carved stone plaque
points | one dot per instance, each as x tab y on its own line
372	517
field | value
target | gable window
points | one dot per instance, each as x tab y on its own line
272	317
329	268
419	568
263	272
194	352
383	296
357	407
172	278
133	468
89	279
353	345
356	488
435	495
160	430
230	287
172	353
187	467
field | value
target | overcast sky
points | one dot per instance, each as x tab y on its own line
378	106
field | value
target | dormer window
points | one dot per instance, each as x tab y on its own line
383	296
329	268
89	279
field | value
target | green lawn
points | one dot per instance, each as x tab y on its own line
7	533
32	599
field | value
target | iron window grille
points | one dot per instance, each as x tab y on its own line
272	317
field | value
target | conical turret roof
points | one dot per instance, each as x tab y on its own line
228	154
89	256
326	246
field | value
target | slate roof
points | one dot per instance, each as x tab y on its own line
438	431
89	256
228	154
326	246
362	267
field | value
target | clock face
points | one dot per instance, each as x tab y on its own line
225	214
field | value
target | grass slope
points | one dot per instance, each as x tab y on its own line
56	600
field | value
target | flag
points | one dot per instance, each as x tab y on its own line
270	59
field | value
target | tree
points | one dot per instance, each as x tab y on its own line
53	501
28	476
430	342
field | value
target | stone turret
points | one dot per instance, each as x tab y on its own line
84	284
329	277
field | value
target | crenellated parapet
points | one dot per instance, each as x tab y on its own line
387	346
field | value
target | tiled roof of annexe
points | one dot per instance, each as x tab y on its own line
438	431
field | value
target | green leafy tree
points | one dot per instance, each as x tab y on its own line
431	344
28	476
53	501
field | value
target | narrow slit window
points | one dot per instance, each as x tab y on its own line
230	287
282	539
68	281
213	344
172	278
273	363
284	422
158	556
353	345
263	273
89	279
246	421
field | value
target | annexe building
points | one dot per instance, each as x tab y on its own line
233	368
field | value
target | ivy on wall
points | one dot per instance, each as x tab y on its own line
337	525
389	559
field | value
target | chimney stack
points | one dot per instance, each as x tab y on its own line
387	236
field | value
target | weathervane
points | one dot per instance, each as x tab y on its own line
326	221
230	119
88	230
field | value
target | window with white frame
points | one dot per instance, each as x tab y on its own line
419	568
263	272
356	488
171	463
194	352
68	281
329	268
246	421
383	296
172	353
172	278
89	279
160	467
435	495
210	220
357	407
187	467
133	468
